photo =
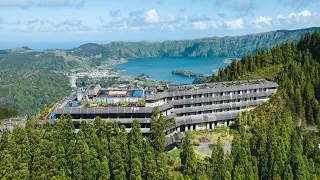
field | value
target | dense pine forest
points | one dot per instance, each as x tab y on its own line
276	140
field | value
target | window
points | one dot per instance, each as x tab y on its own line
178	106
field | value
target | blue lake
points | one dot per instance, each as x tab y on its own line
161	68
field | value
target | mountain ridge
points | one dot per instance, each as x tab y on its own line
227	46
211	37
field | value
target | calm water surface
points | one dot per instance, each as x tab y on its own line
161	68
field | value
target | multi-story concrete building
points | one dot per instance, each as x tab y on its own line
194	107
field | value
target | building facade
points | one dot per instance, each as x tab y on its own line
194	107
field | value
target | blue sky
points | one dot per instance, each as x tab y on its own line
44	24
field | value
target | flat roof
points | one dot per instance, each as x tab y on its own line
212	88
214	84
108	110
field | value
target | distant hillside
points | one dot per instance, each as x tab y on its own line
229	46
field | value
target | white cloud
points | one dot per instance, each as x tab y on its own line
204	25
214	24
140	20
304	16
152	16
200	25
261	21
304	13
235	24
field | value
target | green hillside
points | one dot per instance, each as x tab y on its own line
230	46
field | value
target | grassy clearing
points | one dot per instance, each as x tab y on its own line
174	154
266	73
222	132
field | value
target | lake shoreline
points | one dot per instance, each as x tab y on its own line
160	68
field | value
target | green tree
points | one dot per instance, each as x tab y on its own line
117	166
218	164
6	166
149	170
104	172
20	152
157	140
188	158
135	150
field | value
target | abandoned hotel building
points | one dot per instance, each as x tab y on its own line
194	107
